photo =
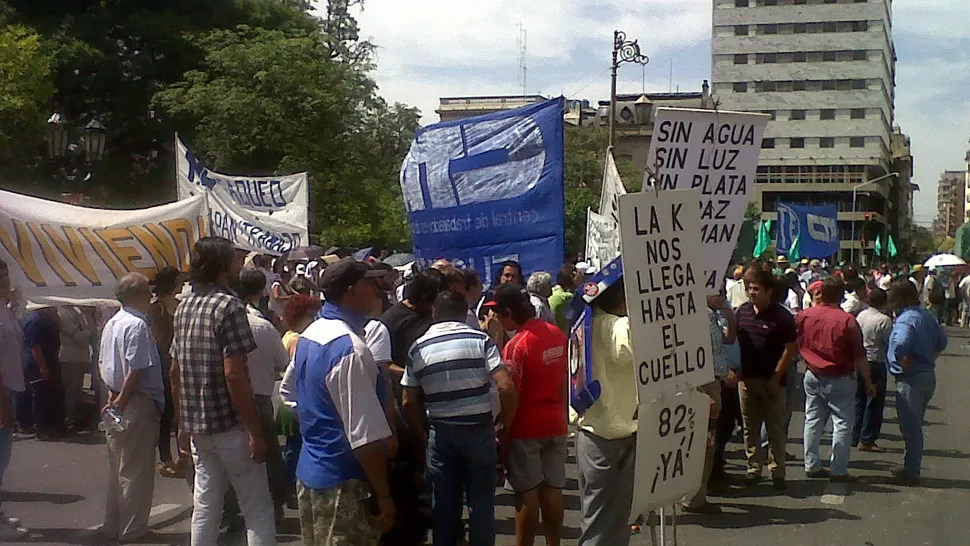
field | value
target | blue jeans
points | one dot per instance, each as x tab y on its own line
913	396
6	443
868	411
829	397
462	459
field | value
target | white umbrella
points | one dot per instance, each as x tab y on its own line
944	260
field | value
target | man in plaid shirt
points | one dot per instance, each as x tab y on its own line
215	402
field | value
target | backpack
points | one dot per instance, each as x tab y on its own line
937	292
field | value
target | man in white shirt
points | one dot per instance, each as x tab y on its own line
132	372
266	364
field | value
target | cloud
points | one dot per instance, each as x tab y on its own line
433	48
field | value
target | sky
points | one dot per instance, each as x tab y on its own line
434	48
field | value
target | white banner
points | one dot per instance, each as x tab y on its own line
665	297
261	214
62	253
671	444
716	154
602	239
612	190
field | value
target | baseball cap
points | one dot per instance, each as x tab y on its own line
815	262
338	277
509	296
815	287
585	268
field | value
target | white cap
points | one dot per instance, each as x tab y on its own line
585	268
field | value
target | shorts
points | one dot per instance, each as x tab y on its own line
532	462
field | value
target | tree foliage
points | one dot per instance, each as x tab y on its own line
585	158
25	89
254	86
922	244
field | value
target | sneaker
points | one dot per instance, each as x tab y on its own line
872	448
903	477
9	531
818	474
779	484
789	457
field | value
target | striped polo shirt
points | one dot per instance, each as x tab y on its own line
453	365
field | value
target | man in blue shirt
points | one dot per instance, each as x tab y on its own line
914	344
42	370
343	462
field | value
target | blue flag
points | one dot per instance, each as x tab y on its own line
815	227
483	190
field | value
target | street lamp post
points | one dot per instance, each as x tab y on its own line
854	193
65	147
624	51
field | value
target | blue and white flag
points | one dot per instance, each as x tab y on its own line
487	189
816	228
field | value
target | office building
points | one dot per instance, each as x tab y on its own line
950	202
825	71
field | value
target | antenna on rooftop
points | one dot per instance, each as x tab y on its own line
523	69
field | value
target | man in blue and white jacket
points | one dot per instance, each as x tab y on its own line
343	463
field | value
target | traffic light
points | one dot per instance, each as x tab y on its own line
868	216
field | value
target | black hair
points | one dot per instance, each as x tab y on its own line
567	275
763	278
878	297
211	257
166	280
252	281
450	306
521	309
833	289
509	263
611	300
472	279
902	294
425	286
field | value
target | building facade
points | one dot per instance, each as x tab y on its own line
825	71
951	195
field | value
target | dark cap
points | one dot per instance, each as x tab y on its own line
510	296
340	276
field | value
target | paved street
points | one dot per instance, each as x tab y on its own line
57	490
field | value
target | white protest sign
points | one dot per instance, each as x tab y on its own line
665	297
60	253
612	189
602	239
715	153
261	214
672	442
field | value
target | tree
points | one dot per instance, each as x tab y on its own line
922	244
584	158
25	89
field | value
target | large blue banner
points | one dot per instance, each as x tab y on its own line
816	227
487	189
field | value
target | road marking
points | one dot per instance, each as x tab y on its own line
834	494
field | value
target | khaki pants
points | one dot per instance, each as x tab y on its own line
131	470
714	391
761	406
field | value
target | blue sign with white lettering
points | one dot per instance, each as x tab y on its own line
487	189
815	226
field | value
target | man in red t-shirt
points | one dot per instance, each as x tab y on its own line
536	441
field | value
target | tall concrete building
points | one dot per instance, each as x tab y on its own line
825	71
950	202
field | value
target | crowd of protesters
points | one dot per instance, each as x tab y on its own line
404	398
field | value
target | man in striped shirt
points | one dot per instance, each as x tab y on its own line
452	365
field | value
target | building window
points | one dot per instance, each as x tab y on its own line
741	59
770	2
858	113
767	87
740	3
741	30
860	55
768	143
830	27
860	26
799	57
740	87
799	28
829	56
826	142
770	113
797	115
858	84
797	143
768	29
798	85
769	58
831	1
857	142
826	114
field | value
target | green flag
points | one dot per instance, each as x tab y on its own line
878	246
795	252
891	247
764	238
